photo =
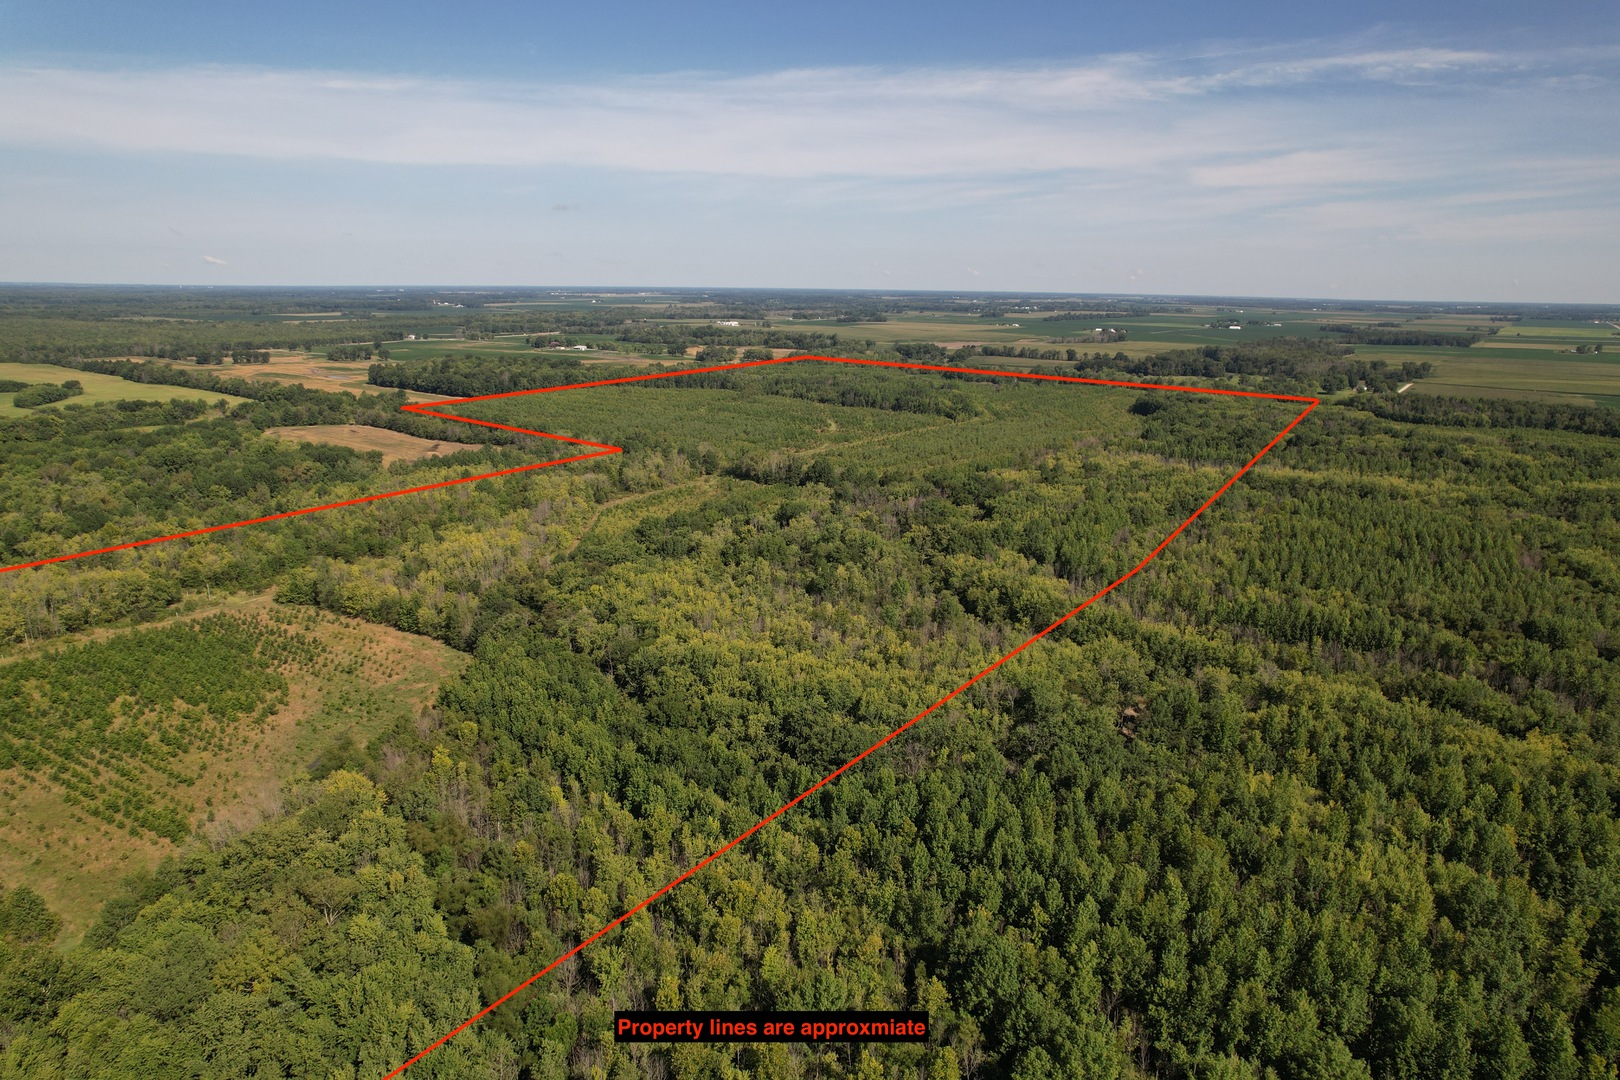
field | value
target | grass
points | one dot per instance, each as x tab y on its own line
368	679
97	388
308	369
313	370
392	445
421	350
1587	380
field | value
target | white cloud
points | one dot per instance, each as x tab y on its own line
1188	165
786	124
1107	114
1302	168
214	261
1414	66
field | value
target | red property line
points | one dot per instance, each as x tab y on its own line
603	449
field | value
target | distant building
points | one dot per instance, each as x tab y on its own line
1234	326
727	322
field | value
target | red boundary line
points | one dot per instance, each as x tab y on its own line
604	449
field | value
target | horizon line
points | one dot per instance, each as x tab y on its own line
643	288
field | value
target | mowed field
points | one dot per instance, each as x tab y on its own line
1548	376
393	445
364	680
97	388
309	369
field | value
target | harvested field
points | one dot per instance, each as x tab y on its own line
310	369
393	445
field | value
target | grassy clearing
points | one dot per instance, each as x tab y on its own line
1159	332
1589	380
97	388
392	445
367	679
310	369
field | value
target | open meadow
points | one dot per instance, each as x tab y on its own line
97	388
392	445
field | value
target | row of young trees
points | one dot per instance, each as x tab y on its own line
1379	335
115	726
1493	412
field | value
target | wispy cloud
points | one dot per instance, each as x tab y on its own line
1278	148
1110	113
214	261
1415	66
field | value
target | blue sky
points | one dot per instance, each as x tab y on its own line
1416	150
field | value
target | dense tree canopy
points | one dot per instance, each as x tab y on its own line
1329	789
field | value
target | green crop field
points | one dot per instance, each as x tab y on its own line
1527	374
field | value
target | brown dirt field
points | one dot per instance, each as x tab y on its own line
394	445
368	679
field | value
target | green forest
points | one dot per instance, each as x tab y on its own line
1328	789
